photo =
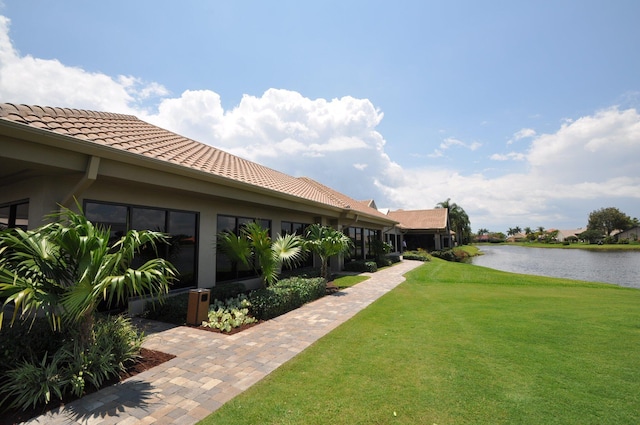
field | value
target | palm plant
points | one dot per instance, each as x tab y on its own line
459	220
326	242
254	248
64	269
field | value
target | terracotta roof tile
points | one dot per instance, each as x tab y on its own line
130	134
421	219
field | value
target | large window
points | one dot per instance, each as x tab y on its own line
362	242
181	226
394	240
291	228
15	214
226	268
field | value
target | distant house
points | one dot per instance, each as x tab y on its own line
571	234
129	174
631	234
426	229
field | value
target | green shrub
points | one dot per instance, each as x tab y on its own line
27	340
172	310
284	296
419	255
383	262
229	314
36	380
445	254
394	258
33	382
119	337
361	266
227	290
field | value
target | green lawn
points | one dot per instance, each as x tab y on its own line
461	344
349	280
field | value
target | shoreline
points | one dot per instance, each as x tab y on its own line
588	247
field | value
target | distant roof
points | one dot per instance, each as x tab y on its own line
130	134
571	232
421	219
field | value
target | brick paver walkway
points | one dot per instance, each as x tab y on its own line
210	368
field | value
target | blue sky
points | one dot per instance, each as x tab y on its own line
523	113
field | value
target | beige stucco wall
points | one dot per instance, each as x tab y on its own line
47	175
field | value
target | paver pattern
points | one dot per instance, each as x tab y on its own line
210	368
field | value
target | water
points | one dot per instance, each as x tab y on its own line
617	267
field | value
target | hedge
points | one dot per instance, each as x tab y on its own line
284	296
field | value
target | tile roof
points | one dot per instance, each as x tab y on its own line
421	219
130	134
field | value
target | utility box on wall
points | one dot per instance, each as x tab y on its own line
198	307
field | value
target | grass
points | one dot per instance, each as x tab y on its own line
462	344
471	250
349	280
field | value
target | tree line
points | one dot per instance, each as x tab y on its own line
602	224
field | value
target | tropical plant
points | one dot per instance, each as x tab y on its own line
229	314
66	268
326	242
458	219
514	231
254	248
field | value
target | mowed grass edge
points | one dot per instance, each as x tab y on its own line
462	344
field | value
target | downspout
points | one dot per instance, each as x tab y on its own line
90	176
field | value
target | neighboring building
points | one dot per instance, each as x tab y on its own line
571	234
129	174
426	229
518	237
631	234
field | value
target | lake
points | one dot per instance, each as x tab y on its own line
617	267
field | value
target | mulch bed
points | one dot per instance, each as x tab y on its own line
148	359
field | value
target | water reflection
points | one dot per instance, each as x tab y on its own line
617	267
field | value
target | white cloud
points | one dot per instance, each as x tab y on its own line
25	79
452	141
514	156
360	167
591	161
522	134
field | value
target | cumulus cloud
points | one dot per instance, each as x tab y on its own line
26	79
591	160
323	139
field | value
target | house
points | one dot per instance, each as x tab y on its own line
426	229
518	237
568	235
128	174
630	234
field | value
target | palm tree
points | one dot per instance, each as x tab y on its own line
458	219
254	248
326	242
64	269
